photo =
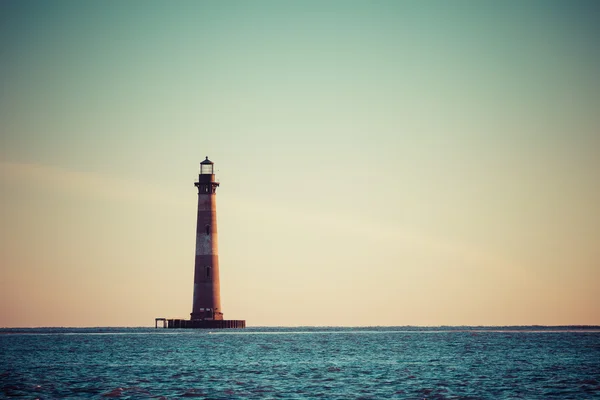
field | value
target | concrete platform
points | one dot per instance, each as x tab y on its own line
200	323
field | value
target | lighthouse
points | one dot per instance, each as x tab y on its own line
206	304
206	300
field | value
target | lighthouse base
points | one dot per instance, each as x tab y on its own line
200	323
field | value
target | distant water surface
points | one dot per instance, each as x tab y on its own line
302	363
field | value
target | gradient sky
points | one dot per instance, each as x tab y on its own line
381	162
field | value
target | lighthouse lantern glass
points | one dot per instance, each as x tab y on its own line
206	169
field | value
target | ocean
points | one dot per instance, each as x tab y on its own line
301	363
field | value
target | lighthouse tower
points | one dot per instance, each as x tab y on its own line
207	294
206	305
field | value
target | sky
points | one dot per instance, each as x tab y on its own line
381	162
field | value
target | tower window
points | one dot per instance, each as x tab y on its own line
207	229
208	272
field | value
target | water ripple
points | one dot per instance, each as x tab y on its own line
305	363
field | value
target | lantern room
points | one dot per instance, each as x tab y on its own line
206	167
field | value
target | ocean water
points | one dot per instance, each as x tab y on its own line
301	363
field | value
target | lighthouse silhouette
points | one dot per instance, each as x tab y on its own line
206	303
